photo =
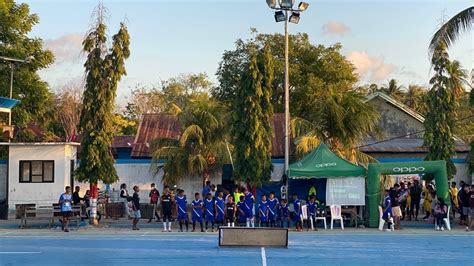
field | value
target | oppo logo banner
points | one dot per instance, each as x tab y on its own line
325	165
408	169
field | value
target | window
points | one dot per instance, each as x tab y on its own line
36	171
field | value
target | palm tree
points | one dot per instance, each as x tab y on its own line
392	89
452	29
414	97
457	78
202	148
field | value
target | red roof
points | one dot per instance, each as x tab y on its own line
278	141
123	141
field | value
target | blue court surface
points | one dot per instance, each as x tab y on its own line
152	248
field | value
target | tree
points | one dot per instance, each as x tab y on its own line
202	148
440	117
16	23
414	98
68	106
392	89
252	113
144	100
104	68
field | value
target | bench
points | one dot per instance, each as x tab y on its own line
49	213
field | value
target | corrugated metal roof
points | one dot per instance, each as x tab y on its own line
123	141
404	145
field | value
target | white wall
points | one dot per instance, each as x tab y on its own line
39	193
3	181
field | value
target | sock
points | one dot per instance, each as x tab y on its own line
180	225
228	224
252	222
232	224
164	225
169	225
248	223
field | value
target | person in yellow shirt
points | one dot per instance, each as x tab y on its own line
409	210
428	200
453	191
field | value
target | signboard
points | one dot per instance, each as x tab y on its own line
345	191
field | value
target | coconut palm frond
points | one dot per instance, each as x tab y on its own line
191	135
196	164
305	144
452	29
300	126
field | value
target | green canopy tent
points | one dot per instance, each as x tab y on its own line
345	180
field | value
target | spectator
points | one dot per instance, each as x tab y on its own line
213	191
461	185
440	212
408	203
427	200
237	193
395	195
125	198
471	204
464	198
154	196
76	199
403	199
65	201
206	188
453	191
167	208
136	207
415	196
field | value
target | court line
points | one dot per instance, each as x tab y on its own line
264	257
20	252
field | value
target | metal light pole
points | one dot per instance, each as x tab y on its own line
12	62
283	7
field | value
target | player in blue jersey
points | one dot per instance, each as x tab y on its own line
209	208
196	216
263	211
297	213
387	213
181	203
220	208
312	206
284	213
273	205
249	202
241	217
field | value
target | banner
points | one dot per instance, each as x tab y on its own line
345	191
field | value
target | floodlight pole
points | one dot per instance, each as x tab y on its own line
287	97
11	92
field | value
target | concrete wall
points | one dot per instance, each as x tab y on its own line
3	181
39	193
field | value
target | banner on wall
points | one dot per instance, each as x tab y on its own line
345	191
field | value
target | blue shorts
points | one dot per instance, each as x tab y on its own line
137	214
182	216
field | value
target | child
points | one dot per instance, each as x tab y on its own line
197	211
136	208
263	211
297	213
230	211
312	206
284	213
166	208
65	201
387	213
220	206
209	206
241	218
249	201
273	205
440	212
181	210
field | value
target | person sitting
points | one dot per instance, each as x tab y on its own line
440	212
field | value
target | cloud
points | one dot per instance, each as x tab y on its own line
66	48
371	68
335	28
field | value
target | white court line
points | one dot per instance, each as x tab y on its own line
264	257
20	252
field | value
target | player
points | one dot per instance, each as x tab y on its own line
197	206
181	203
209	207
241	217
273	205
220	206
167	208
312	207
387	213
231	210
249	202
263	211
284	214
297	213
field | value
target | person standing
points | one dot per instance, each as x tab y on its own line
219	209
395	195
206	188
297	213
249	201
209	207
181	210
76	199
136	208
197	206
440	212
471	205
263	211
125	198
167	208
273	205
230	211
453	191
65	201
154	196
415	195
464	198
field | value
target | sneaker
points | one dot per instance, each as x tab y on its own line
437	228
467	228
194	230
66	230
164	230
442	228
169	230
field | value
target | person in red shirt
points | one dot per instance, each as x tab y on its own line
154	196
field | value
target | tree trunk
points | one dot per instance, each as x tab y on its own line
93	204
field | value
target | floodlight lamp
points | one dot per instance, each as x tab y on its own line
303	6
272	3
287	4
280	16
295	17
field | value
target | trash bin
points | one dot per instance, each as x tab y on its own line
3	210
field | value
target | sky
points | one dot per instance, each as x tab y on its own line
383	39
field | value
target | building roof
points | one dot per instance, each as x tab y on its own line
123	141
152	127
38	143
403	145
397	104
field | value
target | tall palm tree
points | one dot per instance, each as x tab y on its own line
392	89
457	78
450	31
414	97
202	147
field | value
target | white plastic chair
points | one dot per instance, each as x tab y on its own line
336	215
381	220
323	218
446	220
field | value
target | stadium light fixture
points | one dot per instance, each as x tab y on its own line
295	17
280	16
287	4
303	6
272	3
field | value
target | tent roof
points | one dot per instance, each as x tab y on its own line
323	163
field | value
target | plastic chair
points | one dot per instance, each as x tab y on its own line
336	215
323	218
446	220
381	220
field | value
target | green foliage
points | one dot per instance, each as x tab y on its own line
440	117
252	116
202	148
16	23
104	68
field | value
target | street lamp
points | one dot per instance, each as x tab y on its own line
12	62
282	8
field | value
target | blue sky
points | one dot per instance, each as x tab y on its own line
384	39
